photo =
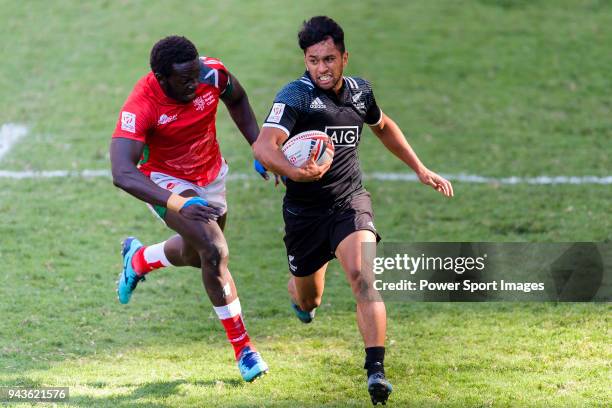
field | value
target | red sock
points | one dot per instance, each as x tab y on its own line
140	264
237	334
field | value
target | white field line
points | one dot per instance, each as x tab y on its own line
476	179
377	176
10	133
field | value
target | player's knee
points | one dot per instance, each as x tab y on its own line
213	255
357	280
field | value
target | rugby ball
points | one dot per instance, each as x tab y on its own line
299	148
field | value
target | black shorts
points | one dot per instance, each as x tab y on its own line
312	235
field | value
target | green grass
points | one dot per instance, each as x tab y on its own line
486	87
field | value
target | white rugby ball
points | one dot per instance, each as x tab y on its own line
299	148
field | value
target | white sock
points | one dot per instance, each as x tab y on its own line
155	253
228	311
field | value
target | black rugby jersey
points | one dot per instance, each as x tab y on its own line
301	106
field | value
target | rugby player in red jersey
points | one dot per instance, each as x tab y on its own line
327	211
164	151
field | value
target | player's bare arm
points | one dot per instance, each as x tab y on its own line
239	108
124	155
237	103
394	140
267	151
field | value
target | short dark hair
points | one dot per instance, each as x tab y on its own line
171	50
318	29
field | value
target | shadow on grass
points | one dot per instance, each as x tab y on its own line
22	382
142	395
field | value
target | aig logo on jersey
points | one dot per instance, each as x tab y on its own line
343	135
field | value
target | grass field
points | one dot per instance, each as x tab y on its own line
495	88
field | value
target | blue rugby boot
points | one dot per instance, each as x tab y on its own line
305	317
128	278
251	365
379	388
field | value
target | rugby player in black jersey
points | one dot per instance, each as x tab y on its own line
327	212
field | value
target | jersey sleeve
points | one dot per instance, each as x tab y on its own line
214	72
373	114
288	104
135	119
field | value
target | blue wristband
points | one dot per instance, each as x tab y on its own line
259	167
195	201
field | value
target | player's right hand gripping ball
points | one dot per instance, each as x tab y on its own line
299	148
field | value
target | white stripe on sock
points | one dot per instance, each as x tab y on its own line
227	311
155	253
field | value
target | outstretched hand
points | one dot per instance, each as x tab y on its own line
263	172
260	169
438	182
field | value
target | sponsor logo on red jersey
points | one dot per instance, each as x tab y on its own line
165	119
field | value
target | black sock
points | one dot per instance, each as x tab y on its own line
375	360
